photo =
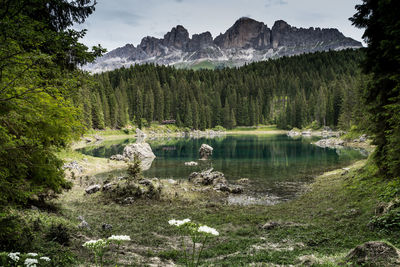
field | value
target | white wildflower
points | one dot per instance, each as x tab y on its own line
31	254
178	222
208	230
14	256
100	243
119	238
31	262
89	243
45	258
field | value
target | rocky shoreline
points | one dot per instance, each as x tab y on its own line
326	132
332	139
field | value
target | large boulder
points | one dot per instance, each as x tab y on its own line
140	150
205	151
373	253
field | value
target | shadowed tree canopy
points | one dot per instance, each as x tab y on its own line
39	56
381	21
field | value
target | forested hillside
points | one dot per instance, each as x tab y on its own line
292	92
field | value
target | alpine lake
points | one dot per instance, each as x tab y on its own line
278	167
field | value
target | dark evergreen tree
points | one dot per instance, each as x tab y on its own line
382	34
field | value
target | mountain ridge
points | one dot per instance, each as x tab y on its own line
246	41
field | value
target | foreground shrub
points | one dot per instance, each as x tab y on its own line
58	233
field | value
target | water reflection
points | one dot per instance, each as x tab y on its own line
275	164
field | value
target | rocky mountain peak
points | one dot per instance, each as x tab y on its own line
280	25
245	33
178	38
200	41
247	40
151	46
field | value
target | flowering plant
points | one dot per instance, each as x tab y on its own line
199	235
98	247
31	262
20	259
118	239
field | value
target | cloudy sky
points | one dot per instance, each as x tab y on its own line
118	22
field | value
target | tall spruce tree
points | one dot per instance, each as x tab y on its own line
382	34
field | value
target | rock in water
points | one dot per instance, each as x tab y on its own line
293	133
330	143
140	135
373	253
140	150
205	151
145	163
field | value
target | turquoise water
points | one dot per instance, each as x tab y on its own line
277	165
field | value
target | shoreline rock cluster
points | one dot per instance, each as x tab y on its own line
339	143
215	179
330	143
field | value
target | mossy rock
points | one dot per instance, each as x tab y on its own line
373	253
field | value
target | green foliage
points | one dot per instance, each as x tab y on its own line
219	128
59	233
39	54
389	221
382	93
392	190
28	231
352	134
314	125
134	170
15	234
